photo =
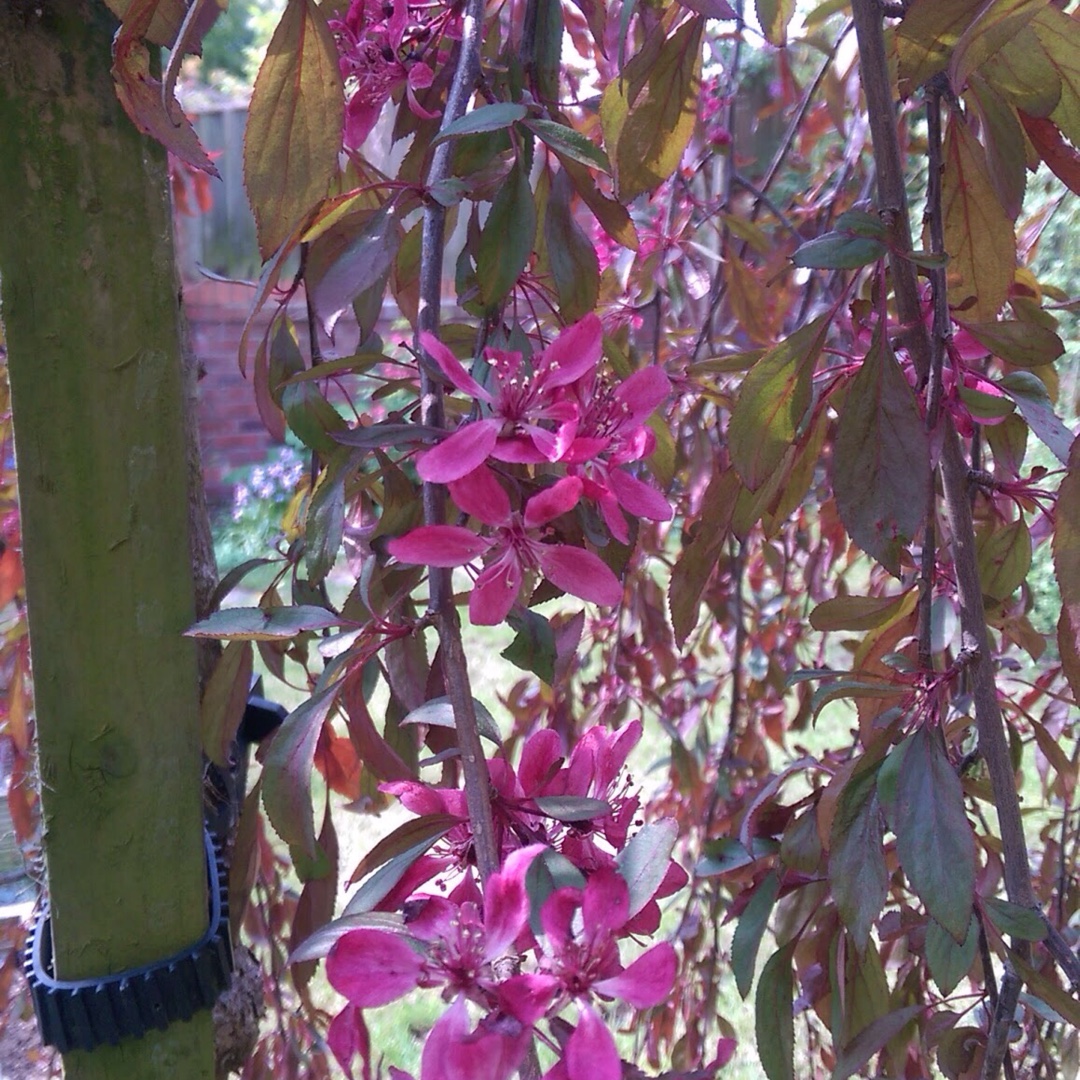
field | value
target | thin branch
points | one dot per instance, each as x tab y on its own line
455	668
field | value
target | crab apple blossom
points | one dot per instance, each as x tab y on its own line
529	418
513	550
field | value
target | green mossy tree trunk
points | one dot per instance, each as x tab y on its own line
91	314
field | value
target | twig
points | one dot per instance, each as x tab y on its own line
1059	949
997	1042
441	601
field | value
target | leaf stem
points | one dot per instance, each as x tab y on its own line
455	667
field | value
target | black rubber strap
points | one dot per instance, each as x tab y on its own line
84	1013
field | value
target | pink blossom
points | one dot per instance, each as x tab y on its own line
370	47
529	418
612	434
514	549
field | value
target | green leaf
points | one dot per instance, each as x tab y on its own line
259	624
858	612
881	459
748	934
322	941
644	861
774	16
926	37
572	807
839	251
773	402
1066	547
312	419
1014	920
1064	1004
1032	398
533	647
774	1017
487	118
950	962
857	870
851	688
871	1039
933	835
439	712
379	884
427	827
290	151
324	526
287	772
648	114
1022	344
570	253
1003	553
506	242
570	143
549	871
224	701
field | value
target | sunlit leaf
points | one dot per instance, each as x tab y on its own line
774	16
1003	552
997	23
644	861
856	612
290	148
926	37
978	233
258	624
773	402
494	117
1030	394
439	712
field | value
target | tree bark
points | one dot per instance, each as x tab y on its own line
91	312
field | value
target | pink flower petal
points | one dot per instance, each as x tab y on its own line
540	757
467	449
638	498
452	368
519	450
480	494
556	916
580	573
647	981
574	353
552	502
373	967
438	545
495	591
347	1036
642	393
605	905
506	903
591	1052
453	1052
527	997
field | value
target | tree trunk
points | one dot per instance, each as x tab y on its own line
92	319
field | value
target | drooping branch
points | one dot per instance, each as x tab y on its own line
993	743
474	765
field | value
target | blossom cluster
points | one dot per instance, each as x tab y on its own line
382	45
557	410
525	945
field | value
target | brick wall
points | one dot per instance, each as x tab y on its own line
230	429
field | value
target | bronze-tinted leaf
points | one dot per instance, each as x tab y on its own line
774	16
881	460
1067	568
978	233
292	142
933	835
570	254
